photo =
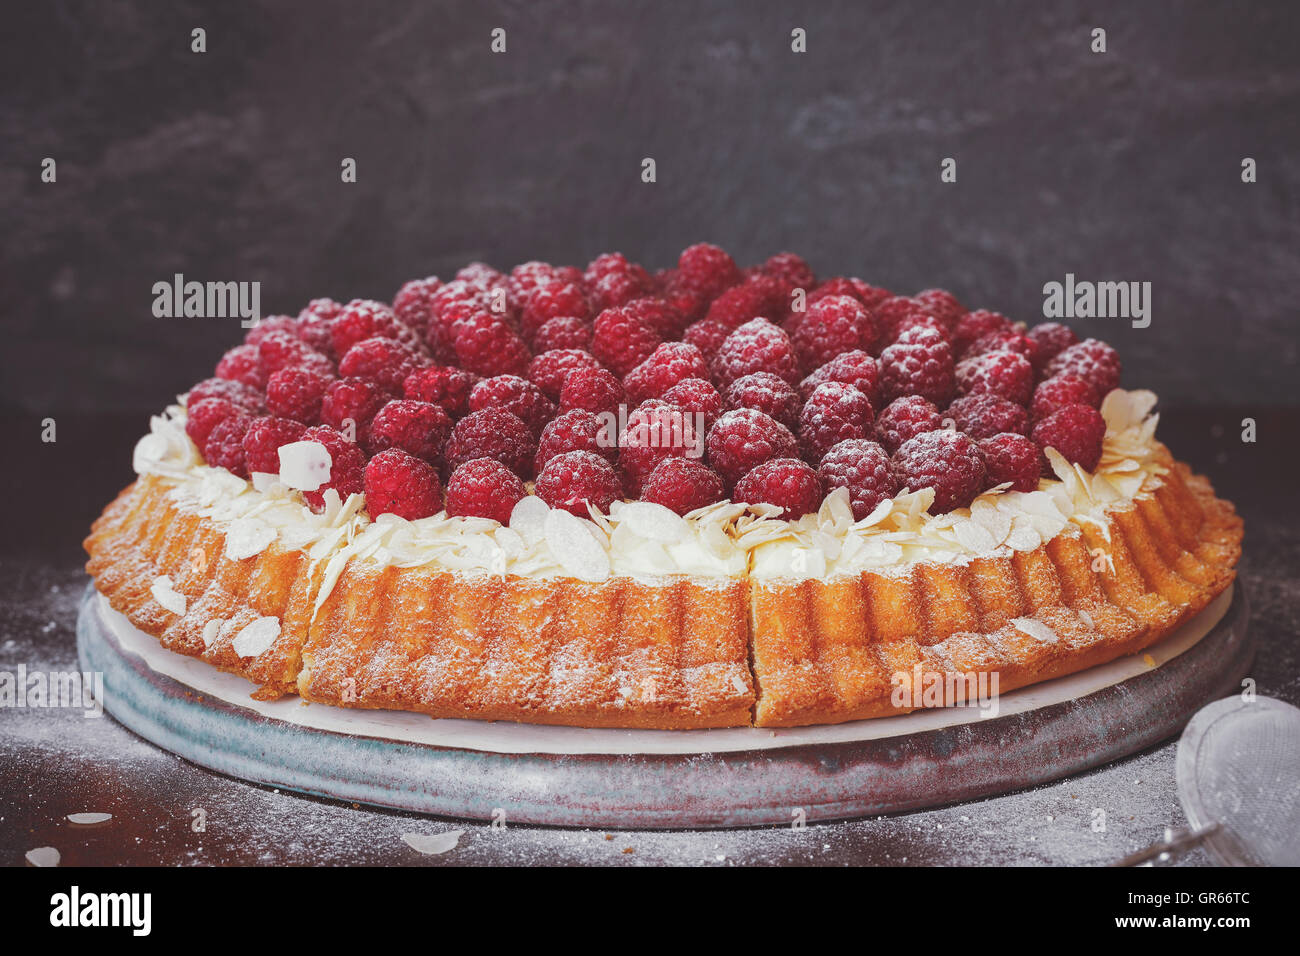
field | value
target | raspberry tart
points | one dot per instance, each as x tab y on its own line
614	498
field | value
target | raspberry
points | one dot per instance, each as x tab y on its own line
975	325
905	418
864	292
417	428
707	336
492	433
943	305
575	430
527	277
654	431
893	312
412	306
709	268
203	416
658	316
454	303
516	395
352	400
550	370
441	385
667	365
757	297
593	389
612	281
243	364
832	326
861	466
919	363
791	272
757	346
483	488
1053	338
682	485
320	309
917	320
742	439
576	479
1093	361
401	484
272	323
552	302
280	349
855	368
700	398
984	415
224	447
947	461
620	341
687	297
768	394
790	484
347	466
315	330
1059	391
386	362
263	439
482	274
1005	374
1076	431
565	332
296	393
245	396
486	346
1007	340
1009	457
362	319
834	412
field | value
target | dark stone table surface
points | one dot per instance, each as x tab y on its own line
53	762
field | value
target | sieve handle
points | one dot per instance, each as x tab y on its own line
1170	847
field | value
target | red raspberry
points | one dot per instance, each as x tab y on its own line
482	274
272	323
768	394
1059	391
905	418
263	439
565	332
1053	338
243	363
550	370
975	325
1076	431
492	433
919	363
893	312
1009	457
347	466
277	350
1007	340
417	428
707	336
576	430
612	281
654	431
792	272
552	302
758	296
401	484
870	296
441	385
949	462
362	319
320	309
386	362
855	368
658	316
757	346
790	484
594	389
832	326
245	396
917	320
483	488
516	395
700	398
203	416
1093	361
620	341
687	297
682	485
412	305
224	447
486	346
576	479
834	412
943	305
452	304
527	277
352	400
296	393
1005	374
742	439
984	415
709	268
861	466
667	365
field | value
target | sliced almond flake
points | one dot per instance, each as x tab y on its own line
738	683
878	514
246	537
89	819
211	630
43	856
165	593
995	522
254	639
528	519
1035	629
1086	618
574	548
431	844
1023	538
653	521
975	537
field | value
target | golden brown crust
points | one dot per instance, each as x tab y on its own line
678	655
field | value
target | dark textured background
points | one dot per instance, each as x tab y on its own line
226	165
